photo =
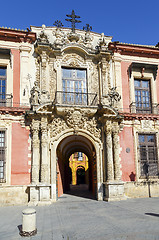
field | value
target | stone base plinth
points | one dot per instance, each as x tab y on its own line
40	195
114	191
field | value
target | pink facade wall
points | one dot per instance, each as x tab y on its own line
19	160
125	86
127	158
16	77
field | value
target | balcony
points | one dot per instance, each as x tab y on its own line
76	99
6	100
144	108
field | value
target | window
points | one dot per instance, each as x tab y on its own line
148	155
2	156
80	156
142	96
2	86
74	86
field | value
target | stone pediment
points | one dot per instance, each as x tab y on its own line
78	47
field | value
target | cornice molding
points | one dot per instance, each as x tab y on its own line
13	35
134	50
13	110
136	116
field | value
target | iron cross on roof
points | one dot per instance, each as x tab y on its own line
73	20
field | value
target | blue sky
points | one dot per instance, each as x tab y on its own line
127	21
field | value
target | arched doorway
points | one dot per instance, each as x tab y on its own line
65	179
81	175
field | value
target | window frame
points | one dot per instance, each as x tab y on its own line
3	100
141	89
4	148
74	97
148	161
148	75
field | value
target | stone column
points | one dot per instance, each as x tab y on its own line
117	174
35	152
110	167
45	173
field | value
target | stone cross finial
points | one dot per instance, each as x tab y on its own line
73	20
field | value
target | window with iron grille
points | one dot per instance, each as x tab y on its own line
74	86
148	155
142	96
2	156
3	77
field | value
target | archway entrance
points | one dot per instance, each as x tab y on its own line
76	167
81	176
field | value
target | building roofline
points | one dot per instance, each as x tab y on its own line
134	49
67	28
14	35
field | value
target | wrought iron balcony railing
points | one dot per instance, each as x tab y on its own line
76	98
6	100
140	107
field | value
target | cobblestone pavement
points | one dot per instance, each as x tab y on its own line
77	218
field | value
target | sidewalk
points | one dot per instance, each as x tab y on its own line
77	218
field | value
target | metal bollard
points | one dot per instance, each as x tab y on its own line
29	222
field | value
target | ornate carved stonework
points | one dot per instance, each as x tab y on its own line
37	60
102	42
147	124
52	72
59	41
43	38
57	126
35	95
44	96
75	119
44	130
73	60
35	133
95	80
92	127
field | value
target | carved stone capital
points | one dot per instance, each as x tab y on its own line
108	127
115	128
35	126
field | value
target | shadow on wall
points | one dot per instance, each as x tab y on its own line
132	177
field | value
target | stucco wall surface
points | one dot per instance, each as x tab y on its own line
127	154
19	166
125	86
